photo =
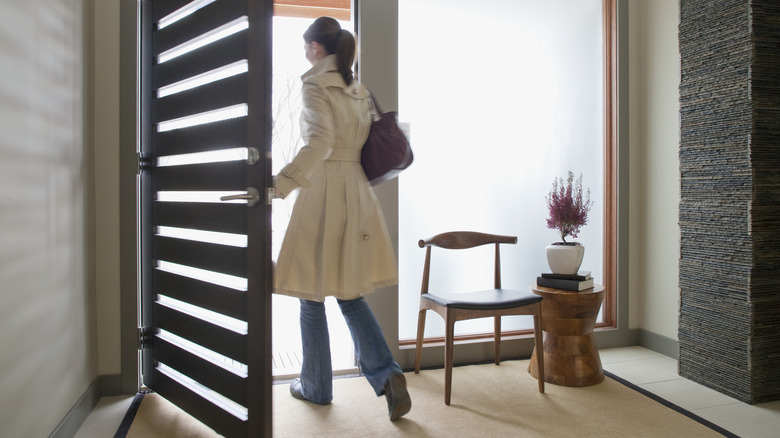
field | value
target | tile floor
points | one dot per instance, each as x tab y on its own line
650	370
657	373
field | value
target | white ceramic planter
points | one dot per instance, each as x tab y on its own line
565	259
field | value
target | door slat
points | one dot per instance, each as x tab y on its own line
225	134
211	257
211	415
217	54
162	9
224	218
227	175
224	300
202	371
198	23
220	94
221	340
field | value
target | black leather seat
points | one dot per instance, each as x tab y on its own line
485	299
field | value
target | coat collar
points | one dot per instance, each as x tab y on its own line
324	65
328	65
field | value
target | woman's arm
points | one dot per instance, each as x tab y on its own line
318	138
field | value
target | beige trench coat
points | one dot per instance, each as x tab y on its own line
337	242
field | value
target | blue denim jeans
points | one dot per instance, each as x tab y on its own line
374	357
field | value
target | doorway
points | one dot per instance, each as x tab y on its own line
288	65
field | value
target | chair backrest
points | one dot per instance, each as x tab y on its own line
463	240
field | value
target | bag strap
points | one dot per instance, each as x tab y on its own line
378	108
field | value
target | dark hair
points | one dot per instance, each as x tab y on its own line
328	32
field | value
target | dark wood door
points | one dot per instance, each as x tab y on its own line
205	123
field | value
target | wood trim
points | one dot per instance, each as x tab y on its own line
338	9
476	337
610	162
337	4
311	12
529	333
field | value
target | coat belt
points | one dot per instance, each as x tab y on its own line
345	154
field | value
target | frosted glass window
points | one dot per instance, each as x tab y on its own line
502	96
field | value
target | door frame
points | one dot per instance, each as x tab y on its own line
377	31
129	279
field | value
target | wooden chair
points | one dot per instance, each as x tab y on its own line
495	302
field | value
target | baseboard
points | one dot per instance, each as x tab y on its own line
103	386
653	341
78	413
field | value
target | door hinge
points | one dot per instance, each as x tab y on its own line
142	162
144	336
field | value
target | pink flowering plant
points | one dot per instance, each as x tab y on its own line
568	209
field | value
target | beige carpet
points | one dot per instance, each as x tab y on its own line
487	401
159	418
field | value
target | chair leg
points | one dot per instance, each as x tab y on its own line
420	333
539	344
449	343
497	338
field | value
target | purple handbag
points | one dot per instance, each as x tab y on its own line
387	151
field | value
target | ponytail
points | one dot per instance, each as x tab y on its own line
345	54
328	32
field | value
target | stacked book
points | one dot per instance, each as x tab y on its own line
576	282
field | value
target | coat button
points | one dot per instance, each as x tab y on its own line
365	237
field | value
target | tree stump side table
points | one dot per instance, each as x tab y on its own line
570	354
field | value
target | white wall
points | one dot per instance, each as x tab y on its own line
106	202
654	68
47	303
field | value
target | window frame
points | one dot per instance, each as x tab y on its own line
610	163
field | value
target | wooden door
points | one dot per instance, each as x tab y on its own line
205	123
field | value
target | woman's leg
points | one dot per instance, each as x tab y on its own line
375	359
316	370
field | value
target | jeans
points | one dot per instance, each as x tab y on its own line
374	357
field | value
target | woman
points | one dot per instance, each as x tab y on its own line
337	242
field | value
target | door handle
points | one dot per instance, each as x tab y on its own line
252	197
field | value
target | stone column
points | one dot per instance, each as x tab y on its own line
729	330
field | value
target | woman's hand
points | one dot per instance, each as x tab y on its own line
276	194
